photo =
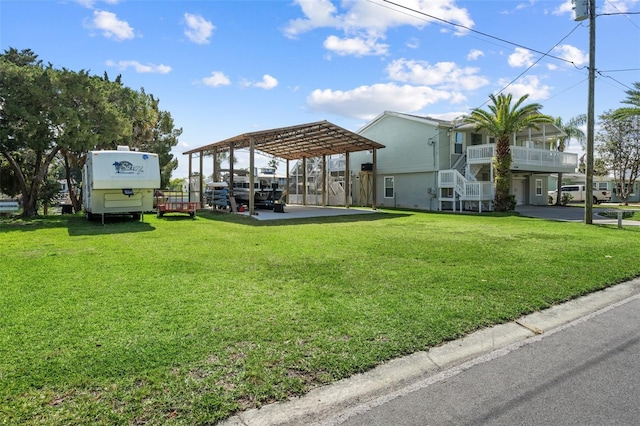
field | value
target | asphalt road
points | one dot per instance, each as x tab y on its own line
584	373
573	214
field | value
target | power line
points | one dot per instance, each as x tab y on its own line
621	13
532	65
625	70
567	89
618	13
544	54
608	76
483	33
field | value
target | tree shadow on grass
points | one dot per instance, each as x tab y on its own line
19	223
76	224
112	225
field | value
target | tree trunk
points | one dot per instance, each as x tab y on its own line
29	205
74	197
30	189
559	190
502	168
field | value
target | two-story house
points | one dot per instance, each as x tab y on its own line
433	164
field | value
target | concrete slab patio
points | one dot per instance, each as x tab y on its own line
297	211
563	214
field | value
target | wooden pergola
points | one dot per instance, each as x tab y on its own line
312	140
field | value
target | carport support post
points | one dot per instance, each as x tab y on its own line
373	184
231	194
252	178
286	193
215	165
347	180
324	181
201	184
304	181
189	178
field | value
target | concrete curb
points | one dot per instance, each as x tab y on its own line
328	401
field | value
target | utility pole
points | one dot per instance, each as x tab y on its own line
587	9
588	207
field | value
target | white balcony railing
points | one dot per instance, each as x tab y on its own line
466	189
478	191
522	156
480	153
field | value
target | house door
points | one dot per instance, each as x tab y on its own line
520	190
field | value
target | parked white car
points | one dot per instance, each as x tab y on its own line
579	194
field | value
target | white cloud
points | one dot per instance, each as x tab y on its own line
198	29
318	14
355	46
268	82
366	102
372	16
571	53
521	58
474	54
90	3
530	85
110	26
217	78
370	21
619	6
445	75
565	8
140	68
414	43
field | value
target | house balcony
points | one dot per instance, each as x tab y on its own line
527	159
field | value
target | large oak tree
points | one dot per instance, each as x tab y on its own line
48	114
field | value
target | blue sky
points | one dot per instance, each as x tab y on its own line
222	68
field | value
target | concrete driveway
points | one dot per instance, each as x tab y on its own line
571	214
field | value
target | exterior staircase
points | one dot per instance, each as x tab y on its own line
464	193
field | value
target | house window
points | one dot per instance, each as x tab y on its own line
539	187
630	189
600	186
458	142
492	140
388	187
476	139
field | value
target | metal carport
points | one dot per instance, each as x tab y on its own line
300	142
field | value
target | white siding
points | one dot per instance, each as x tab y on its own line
406	143
412	191
413	150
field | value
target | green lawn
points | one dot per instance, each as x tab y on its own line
186	321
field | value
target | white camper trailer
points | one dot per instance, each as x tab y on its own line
119	182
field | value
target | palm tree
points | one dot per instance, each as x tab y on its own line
502	121
633	99
571	131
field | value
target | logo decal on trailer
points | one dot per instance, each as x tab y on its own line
125	167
